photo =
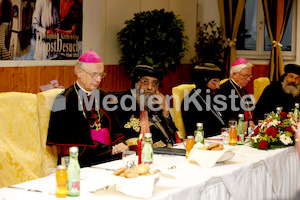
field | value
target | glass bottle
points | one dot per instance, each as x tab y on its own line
278	109
61	181
240	131
296	112
147	152
73	172
199	136
232	135
189	144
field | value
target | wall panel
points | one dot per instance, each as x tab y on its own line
28	79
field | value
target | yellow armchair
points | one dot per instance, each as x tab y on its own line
179	92
259	85
45	101
20	145
24	119
223	81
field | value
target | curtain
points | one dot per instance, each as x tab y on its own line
276	16
231	12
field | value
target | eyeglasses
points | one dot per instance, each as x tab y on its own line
95	75
215	82
246	75
297	78
145	83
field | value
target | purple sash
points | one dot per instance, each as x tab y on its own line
102	136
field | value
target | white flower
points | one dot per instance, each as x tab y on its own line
255	138
274	122
285	140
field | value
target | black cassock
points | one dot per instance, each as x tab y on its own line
69	127
204	112
272	97
162	129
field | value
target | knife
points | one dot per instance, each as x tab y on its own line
103	168
25	189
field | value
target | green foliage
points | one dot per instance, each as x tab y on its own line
209	45
154	38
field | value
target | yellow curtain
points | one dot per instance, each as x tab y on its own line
231	12
276	16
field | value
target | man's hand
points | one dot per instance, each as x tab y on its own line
161	101
251	124
119	148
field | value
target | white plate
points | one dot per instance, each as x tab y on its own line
226	156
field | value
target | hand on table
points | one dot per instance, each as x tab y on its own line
119	148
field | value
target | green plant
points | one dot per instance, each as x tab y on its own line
154	38
209	45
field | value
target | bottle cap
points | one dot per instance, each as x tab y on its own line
278	108
148	134
190	137
199	124
61	167
241	115
73	149
296	104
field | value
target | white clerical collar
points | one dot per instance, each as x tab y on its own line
237	84
88	93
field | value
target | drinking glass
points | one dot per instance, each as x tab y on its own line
51	177
65	161
129	158
225	135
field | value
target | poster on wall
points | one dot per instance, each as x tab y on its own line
40	29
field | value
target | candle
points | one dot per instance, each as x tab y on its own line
140	149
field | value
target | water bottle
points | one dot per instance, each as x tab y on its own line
296	112
199	136
240	131
278	109
73	172
147	152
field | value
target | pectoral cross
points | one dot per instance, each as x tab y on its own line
97	125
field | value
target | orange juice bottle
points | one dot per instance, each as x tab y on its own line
61	180
189	144
232	135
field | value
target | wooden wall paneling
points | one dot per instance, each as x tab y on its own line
28	79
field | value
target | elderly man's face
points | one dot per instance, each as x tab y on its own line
89	76
148	85
243	77
293	79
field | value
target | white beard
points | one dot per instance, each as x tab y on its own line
290	89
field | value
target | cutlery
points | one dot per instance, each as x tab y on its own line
172	167
25	189
98	189
103	168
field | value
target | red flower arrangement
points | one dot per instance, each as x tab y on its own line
263	144
277	131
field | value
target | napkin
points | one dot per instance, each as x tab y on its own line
141	186
206	158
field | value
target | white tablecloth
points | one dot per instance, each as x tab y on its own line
253	174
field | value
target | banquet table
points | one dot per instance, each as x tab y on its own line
250	174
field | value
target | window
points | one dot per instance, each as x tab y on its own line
253	39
